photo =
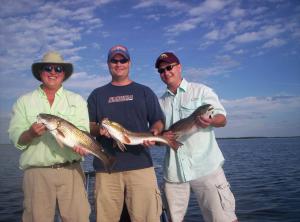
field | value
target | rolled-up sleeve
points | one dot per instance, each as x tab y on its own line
18	124
210	97
82	117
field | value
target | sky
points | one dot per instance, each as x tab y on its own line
247	51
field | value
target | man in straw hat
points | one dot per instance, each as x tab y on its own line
51	173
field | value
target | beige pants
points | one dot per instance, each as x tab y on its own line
139	190
213	194
43	187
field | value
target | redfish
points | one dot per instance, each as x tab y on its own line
67	134
123	136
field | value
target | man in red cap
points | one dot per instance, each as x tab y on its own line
197	165
133	179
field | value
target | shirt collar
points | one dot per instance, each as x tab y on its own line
182	87
58	93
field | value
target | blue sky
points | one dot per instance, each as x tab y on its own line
247	51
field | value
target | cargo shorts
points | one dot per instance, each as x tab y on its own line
213	194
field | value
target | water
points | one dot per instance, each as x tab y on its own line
264	175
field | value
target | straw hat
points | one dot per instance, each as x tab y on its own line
52	58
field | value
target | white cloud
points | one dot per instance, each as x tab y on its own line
171	4
153	17
145	4
83	81
238	12
208	7
274	43
186	25
212	35
222	66
258	116
265	32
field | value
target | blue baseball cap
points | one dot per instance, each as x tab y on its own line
118	49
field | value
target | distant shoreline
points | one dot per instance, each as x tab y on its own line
256	137
230	138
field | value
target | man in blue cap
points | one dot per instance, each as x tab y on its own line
133	179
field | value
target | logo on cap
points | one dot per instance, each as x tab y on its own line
118	48
163	56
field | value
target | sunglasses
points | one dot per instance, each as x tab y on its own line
122	61
167	68
57	69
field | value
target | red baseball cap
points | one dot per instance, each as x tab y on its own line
167	57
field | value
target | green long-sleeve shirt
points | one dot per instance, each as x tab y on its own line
44	150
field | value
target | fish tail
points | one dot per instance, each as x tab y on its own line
110	164
173	143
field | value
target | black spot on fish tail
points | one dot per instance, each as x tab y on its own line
173	143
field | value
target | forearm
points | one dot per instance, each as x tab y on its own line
26	138
94	129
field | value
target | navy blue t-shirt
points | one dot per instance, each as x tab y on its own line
135	107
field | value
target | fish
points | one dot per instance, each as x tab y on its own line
187	126
123	136
67	134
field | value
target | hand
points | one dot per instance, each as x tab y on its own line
203	122
148	143
37	129
169	134
80	150
104	132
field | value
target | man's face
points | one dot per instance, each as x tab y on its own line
52	76
119	67
170	74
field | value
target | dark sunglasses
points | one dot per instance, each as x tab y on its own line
168	68
122	61
57	69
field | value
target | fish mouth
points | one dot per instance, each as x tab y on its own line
105	122
39	119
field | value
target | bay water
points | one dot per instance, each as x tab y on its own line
264	174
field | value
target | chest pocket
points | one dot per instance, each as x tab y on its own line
68	113
188	108
67	109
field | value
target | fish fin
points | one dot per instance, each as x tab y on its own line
173	143
110	164
121	145
60	133
107	159
60	143
126	138
177	135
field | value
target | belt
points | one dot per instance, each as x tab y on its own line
58	165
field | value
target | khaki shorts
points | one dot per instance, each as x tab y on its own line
44	187
213	194
139	190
